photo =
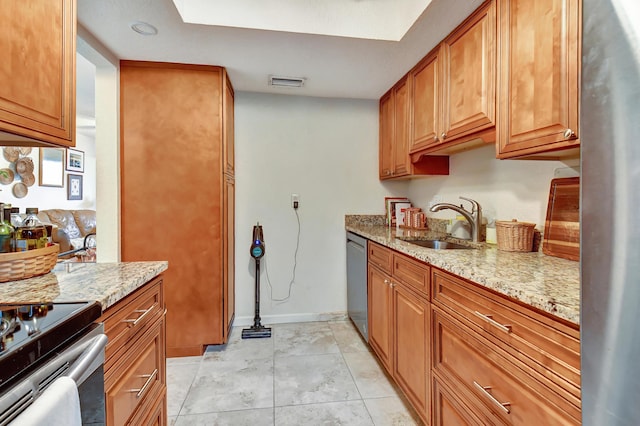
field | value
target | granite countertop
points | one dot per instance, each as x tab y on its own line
106	283
548	283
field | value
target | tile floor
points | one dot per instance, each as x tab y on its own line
316	373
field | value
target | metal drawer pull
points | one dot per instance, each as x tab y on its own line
485	390
144	312
150	378
504	327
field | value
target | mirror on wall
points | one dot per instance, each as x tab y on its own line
52	167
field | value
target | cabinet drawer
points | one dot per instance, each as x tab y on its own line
483	376
550	347
380	256
142	376
132	315
449	410
411	272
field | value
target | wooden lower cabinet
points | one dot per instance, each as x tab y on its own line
465	355
135	361
380	311
399	327
491	383
411	331
449	410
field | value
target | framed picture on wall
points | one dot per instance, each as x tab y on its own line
75	160
52	167
74	187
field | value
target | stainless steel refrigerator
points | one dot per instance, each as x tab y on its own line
610	222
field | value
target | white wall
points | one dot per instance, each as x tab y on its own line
45	197
325	150
107	137
506	189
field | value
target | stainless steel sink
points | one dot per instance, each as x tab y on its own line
437	244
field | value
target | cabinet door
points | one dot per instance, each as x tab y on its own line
401	159
539	76
228	127
469	76
425	102
229	253
411	331
37	94
380	314
386	135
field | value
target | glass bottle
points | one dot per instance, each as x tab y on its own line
6	230
16	219
32	234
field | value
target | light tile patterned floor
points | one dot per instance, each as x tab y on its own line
316	373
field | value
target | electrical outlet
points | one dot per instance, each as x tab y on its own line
435	200
295	201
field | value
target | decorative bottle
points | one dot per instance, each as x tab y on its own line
6	230
32	234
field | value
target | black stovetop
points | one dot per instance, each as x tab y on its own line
32	333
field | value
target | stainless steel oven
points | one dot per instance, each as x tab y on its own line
41	343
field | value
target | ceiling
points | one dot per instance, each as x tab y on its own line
332	66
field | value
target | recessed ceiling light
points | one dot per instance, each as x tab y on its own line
286	81
144	28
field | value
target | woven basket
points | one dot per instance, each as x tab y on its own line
26	264
514	235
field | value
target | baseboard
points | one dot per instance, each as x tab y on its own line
242	321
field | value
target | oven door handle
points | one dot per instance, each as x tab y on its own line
83	363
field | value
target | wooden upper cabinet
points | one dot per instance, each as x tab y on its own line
469	76
386	135
401	159
453	88
228	130
539	76
395	133
425	102
37	94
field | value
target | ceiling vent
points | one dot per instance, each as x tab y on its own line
286	81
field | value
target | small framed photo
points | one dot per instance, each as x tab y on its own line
74	187
75	160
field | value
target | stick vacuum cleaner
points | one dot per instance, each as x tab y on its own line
257	330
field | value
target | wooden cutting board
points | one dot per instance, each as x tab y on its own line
562	226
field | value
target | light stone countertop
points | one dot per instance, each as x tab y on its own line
548	283
106	283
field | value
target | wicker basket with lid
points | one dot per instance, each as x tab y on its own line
514	235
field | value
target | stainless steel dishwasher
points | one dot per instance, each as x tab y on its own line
357	282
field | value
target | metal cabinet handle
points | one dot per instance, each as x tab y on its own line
144	312
504	327
150	378
387	282
443	136
504	406
568	134
435	138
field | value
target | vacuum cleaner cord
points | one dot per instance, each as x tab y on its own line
295	265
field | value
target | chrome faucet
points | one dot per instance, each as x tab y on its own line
474	217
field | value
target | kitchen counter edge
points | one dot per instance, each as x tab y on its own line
106	283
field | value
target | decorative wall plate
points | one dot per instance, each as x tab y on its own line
20	190
11	153
6	176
